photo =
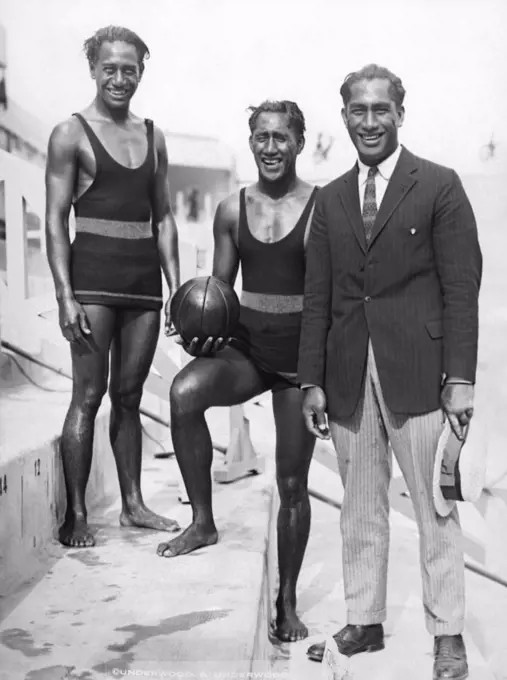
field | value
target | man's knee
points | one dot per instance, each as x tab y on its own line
88	395
293	489
188	394
126	397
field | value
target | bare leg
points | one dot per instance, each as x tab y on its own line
225	380
294	450
89	374
134	343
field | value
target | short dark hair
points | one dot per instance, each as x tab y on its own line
370	72
291	109
113	34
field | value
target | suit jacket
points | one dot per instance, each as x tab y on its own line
414	290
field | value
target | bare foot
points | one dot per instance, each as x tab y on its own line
289	627
143	518
194	537
75	533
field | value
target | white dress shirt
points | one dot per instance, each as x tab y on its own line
385	171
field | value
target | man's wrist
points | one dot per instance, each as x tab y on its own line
64	295
172	286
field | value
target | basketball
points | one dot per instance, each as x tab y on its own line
205	307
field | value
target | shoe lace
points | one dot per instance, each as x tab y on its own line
447	649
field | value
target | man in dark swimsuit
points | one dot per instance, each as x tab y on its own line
263	228
111	166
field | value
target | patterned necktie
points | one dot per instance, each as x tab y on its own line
370	203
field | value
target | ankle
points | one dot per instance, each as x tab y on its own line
204	523
75	519
132	502
286	599
76	514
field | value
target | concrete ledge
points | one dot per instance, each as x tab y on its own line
32	489
32	502
120	607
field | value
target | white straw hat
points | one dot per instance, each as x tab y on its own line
460	468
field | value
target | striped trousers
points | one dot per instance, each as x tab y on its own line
364	462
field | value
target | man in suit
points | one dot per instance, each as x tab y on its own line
388	348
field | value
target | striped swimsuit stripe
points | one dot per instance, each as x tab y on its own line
113	228
272	304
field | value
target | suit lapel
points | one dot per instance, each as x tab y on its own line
349	194
401	182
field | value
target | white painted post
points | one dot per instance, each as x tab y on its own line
16	249
3	358
42	234
240	458
180	205
208	208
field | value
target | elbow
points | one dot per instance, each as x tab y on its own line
224	277
225	268
167	233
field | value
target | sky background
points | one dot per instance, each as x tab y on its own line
211	59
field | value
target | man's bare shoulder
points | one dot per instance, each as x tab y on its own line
158	132
159	138
227	214
67	132
65	140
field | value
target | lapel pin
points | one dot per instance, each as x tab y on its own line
412	231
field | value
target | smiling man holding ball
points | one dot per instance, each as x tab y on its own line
264	228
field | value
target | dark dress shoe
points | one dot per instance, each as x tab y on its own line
352	640
450	658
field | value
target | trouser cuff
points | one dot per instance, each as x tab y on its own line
355	618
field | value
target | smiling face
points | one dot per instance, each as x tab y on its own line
275	146
372	118
117	73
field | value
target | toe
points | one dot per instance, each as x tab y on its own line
171	527
282	634
166	550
